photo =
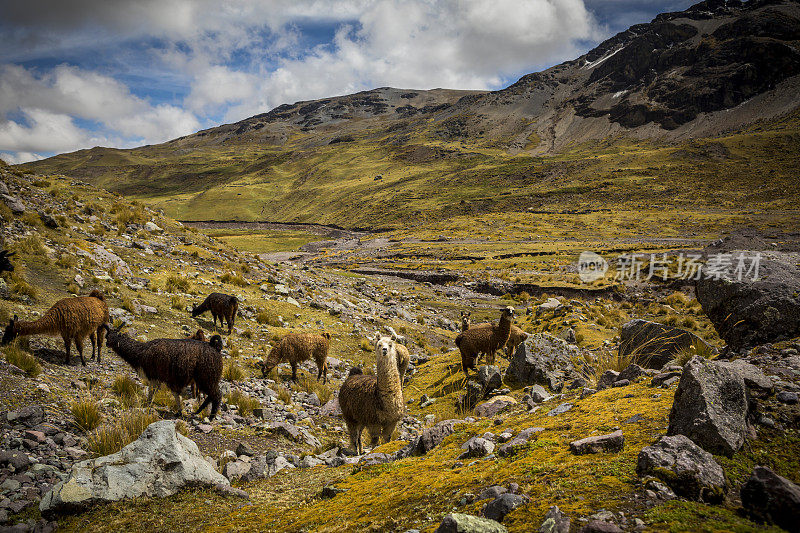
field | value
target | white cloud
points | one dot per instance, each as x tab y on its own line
17	158
46	132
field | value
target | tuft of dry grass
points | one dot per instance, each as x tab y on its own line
111	438
309	384
696	348
31	245
178	283
595	364
177	302
243	402
86	413
127	389
284	394
265	316
23	360
66	261
234	278
233	372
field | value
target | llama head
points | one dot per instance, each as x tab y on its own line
199	335
5	263
11	331
195	312
113	336
508	312
216	342
385	349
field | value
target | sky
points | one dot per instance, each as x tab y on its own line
122	73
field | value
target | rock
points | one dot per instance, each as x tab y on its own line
28	416
294	432
688	469
234	470
543	359
568	335
491	492
663	377
309	461
654	344
244	449
710	407
281	289
14	204
152	227
631	373
494	406
755	380
504	504
48	220
106	259
490	378
281	463
329	491
600	526
374	459
476	447
622	383
561	409
539	394
771	498
464	523
555	521
787	397
433	436
158	464
607	379
512	447
612	442
473	394
18	461
746	312
331	408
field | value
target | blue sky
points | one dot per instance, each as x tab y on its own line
81	73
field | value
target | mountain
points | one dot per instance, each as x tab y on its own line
718	69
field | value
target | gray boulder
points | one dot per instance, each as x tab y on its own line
490	378
689	470
771	498
502	505
512	447
653	345
158	464
607	379
464	523
631	373
759	384
235	470
710	407
476	447
543	359
747	313
433	436
13	203
613	442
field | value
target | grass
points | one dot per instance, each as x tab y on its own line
21	359
112	437
66	261
31	245
698	347
177	283
310	384
234	278
127	389
266	316
233	372
177	302
243	402
86	413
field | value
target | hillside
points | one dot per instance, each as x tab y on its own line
672	106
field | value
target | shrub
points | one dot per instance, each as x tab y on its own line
177	302
32	219
111	438
31	245
163	397
696	348
233	372
594	365
248	334
127	389
243	402
284	394
42	184
128	214
20	286
265	316
66	261
177	283
86	413
23	360
366	345
127	304
234	279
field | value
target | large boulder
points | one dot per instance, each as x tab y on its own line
433	436
653	345
612	442
464	523
710	407
771	498
494	406
689	470
759	384
747	312
543	359
159	463
502	505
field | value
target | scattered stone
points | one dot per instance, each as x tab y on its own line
491	492
607	379
476	447
235	470
494	406
13	203
329	491
539	394
555	521
600	526
613	442
464	523
511	447
159	463
710	407
244	449
771	498
433	436
490	378
502	505
663	377
789	398
585	393
631	373
561	409
654	344
688	469
758	383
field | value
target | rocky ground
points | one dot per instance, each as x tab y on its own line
638	407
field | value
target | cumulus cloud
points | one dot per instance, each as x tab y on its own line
239	58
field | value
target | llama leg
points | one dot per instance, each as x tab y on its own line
294	371
490	358
79	346
93	339
359	448
152	387
67	342
178	404
465	364
388	429
101	336
230	324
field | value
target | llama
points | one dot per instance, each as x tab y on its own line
295	348
5	263
374	402
465	320
176	363
222	306
73	319
403	359
486	338
515	337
